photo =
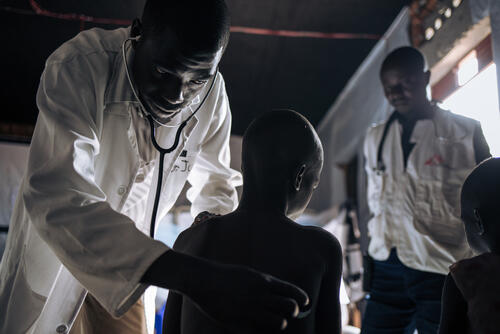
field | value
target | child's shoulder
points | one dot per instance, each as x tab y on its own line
196	232
479	263
321	238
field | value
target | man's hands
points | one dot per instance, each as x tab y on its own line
202	216
238	298
245	300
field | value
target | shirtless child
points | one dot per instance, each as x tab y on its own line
471	294
282	159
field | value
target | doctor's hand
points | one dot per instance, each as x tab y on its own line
244	300
203	216
238	298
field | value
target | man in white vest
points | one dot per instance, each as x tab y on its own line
415	162
79	247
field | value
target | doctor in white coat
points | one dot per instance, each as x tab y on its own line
80	228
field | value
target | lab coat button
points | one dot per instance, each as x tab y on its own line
121	190
61	329
139	178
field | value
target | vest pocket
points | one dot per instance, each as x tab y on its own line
437	212
375	193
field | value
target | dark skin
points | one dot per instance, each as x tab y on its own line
479	214
260	234
454	309
167	79
405	89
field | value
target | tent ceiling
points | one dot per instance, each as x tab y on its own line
261	72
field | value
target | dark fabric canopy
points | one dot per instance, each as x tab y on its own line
262	72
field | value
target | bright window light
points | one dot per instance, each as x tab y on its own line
478	99
468	68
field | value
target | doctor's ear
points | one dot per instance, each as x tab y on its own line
478	221
136	30
299	176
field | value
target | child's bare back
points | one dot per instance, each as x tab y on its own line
306	256
282	160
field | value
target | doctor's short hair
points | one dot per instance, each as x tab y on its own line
202	24
405	57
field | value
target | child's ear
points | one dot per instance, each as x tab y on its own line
478	222
299	176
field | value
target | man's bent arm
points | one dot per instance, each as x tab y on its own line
99	246
172	315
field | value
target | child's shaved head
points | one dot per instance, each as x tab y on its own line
282	158
279	141
480	204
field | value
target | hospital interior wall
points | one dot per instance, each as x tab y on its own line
13	160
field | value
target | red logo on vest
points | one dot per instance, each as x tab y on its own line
435	160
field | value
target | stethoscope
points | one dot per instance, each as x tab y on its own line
152	121
380	166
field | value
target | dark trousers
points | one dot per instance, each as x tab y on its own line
402	299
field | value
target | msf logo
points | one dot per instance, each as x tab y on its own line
437	160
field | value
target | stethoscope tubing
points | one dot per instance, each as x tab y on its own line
161	150
164	151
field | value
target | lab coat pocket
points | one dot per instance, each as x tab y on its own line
437	212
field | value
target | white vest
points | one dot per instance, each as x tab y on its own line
417	209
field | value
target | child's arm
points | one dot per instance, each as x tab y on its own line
328	317
173	309
172	315
453	309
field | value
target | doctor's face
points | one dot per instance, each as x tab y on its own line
405	89
168	78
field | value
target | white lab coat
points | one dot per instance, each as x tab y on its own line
67	229
417	209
